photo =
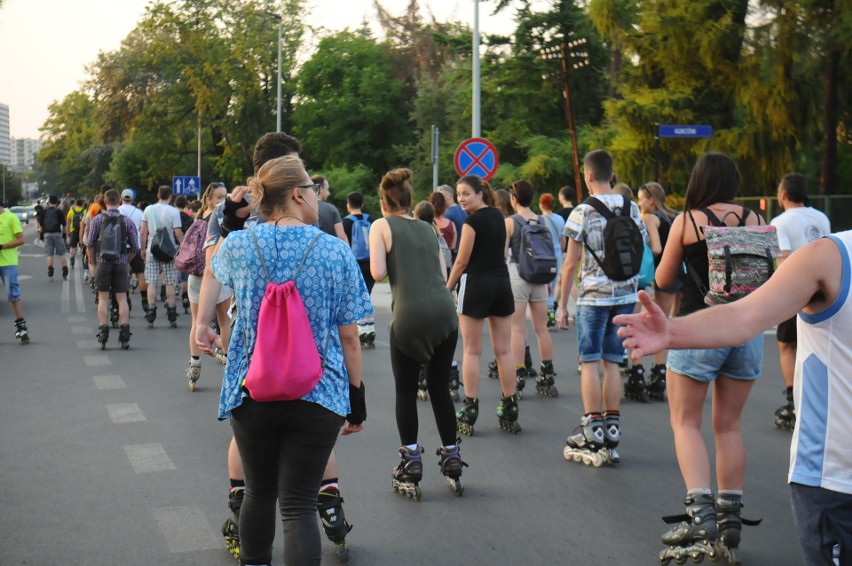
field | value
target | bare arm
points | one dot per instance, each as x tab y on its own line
652	225
379	247
463	257
18	241
205	336
672	260
351	345
809	280
340	233
143	238
569	272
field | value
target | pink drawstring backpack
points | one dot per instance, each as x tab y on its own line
285	364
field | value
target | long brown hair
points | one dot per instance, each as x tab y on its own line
476	183
656	191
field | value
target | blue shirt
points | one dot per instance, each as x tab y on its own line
457	216
331	287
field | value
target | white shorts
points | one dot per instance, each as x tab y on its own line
193	289
524	291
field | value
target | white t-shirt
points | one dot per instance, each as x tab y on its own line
158	215
822	390
800	226
133	214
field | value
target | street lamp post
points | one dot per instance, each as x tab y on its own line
278	98
571	60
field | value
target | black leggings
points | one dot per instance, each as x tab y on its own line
406	372
284	447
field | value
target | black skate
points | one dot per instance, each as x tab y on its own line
785	416
50	273
635	387
103	335
695	533
507	414
65	273
729	523
185	302
124	336
113	310
72	261
551	321
220	356
493	372
586	443
528	364
193	372
422	392
624	364
231	526
520	381
151	315
367	336
451	466
330	509
409	472
656	386
454	382
544	385
467	415
612	436
21	332
172	315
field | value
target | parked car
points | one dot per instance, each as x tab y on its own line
23	213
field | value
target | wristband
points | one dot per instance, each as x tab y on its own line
357	405
230	221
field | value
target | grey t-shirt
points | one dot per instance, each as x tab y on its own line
328	217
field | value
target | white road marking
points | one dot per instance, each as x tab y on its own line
66	294
97	361
104	382
82	330
125	413
186	529
148	458
88	344
78	290
76	319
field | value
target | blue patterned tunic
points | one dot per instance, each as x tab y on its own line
332	289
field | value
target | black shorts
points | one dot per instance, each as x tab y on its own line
137	266
112	276
484	295
364	264
73	239
786	332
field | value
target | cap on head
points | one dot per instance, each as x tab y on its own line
127	194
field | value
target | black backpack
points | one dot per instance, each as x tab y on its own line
112	241
623	242
52	222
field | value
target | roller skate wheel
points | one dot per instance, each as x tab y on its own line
680	559
342	551
422	394
125	345
192	386
454	395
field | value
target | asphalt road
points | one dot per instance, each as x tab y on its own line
107	458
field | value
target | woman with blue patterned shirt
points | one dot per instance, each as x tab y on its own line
285	444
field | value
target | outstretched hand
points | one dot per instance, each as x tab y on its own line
207	339
645	333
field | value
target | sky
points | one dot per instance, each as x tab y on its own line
45	45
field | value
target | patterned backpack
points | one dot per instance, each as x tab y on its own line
739	258
190	255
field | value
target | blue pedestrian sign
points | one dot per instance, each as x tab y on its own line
186	185
684	131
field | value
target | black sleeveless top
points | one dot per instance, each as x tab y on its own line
665	228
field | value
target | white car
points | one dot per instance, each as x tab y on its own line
23	213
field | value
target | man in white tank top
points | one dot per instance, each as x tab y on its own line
815	283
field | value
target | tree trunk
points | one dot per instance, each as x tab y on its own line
828	165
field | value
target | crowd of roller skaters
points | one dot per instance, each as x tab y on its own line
452	267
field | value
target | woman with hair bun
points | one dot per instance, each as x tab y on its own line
285	445
484	292
423	329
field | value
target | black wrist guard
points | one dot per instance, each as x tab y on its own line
357	405
230	221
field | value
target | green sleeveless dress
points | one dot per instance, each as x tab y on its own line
423	312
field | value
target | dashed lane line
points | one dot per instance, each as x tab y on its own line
121	413
146	458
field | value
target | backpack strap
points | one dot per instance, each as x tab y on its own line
604	211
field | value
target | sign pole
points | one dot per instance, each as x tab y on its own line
435	138
476	129
657	152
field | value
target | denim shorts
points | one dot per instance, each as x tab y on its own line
9	275
596	334
739	362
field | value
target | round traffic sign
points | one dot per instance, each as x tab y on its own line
476	156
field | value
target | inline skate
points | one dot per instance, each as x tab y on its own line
612	436
528	363
507	414
221	357
586	443
124	336
551	321
113	310
193	372
729	523
656	386
544	385
172	315
422	392
467	415
695	533
785	416
409	472
635	386
624	364
103	335
184	298
50	272
21	332
451	466
151	315
65	273
330	509
454	382
367	335
520	381
231	526
493	371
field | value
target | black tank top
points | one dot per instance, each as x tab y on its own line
665	227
